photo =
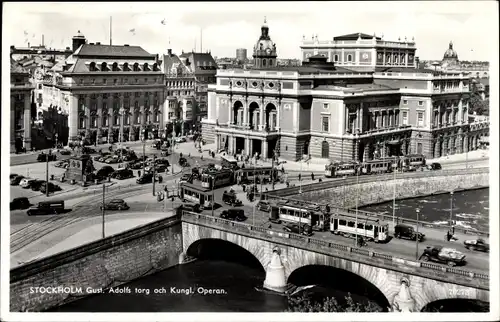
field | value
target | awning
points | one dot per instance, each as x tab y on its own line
393	142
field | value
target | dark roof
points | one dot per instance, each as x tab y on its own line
169	60
309	69
203	59
403	70
16	68
112	50
355	36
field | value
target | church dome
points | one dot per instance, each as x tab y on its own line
450	52
265	46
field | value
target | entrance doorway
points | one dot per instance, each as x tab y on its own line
240	145
325	150
361	150
306	147
256	147
272	147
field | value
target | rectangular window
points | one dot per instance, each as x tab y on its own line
405	102
420	119
325	106
115	81
157	117
325	124
419	148
81	81
350	224
93	81
116	120
81	123
105	121
94	121
405	118
104	81
145	80
420	103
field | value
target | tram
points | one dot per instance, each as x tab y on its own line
229	162
212	178
250	175
196	194
413	162
350	225
300	214
340	169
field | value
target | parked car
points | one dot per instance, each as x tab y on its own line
12	176
116	204
113	159
183	162
407	232
180	139
35	186
163	162
194	207
136	165
53	207
104	172
52	188
16	180
25	182
264	205
434	166
61	164
19	203
42	157
443	255
65	152
305	230
230	198
477	244
146	178
233	214
121	174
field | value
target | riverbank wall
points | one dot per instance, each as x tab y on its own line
374	192
96	267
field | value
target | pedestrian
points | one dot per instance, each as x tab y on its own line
244	187
282	169
312	176
139	173
202	157
300	177
213	154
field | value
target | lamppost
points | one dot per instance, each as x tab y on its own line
120	137
103	208
416	239
212	181
144	151
451	211
154	168
56	136
344	178
394	195
357	197
300	173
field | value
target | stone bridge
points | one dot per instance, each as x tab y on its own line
406	285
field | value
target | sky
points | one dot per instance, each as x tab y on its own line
225	26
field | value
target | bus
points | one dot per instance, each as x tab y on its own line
250	175
229	162
340	169
296	213
350	225
213	178
196	194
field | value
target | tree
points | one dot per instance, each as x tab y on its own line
478	105
305	304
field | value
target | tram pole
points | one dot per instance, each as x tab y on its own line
47	174
253	189
451	211
212	179
394	197
357	197
416	239
154	168
103	208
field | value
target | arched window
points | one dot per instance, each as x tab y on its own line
336	58
115	67
136	67
264	62
104	67
125	67
146	68
92	67
349	58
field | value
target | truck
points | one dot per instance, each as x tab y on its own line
443	255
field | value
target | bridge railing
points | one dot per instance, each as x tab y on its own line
233	226
367	178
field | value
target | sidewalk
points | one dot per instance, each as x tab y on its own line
82	233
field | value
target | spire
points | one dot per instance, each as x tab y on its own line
451	44
265	20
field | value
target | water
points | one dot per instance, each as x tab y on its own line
470	209
238	275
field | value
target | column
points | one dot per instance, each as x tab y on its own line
245	113
99	118
278	116
230	111
73	118
346	119
12	125
230	144
250	147
110	119
264	149
247	146
360	118
87	116
27	121
161	123
143	116
261	117
121	119
217	142
356	150
365	152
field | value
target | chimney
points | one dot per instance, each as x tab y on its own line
28	45
126	45
97	43
169	52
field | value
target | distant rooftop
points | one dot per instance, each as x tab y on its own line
355	36
99	50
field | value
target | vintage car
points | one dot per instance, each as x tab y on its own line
19	203
477	244
407	232
233	214
116	204
443	255
298	229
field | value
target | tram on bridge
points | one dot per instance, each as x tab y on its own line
212	178
307	215
349	225
257	174
196	194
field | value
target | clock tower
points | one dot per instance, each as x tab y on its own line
264	52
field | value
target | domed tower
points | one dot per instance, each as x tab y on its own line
450	57
78	40
264	52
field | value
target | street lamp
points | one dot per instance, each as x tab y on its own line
300	173
357	197
56	136
451	210
416	238
143	151
394	194
103	208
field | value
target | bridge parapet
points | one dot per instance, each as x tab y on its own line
428	270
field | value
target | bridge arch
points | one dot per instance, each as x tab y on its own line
457	305
220	249
343	281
